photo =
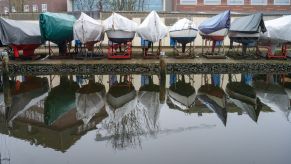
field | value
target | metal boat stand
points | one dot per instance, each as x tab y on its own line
182	51
64	51
119	50
275	55
212	42
149	52
90	51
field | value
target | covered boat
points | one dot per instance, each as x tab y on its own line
26	94
90	100
215	28
57	28
215	100
119	29
88	30
152	29
20	35
182	94
244	97
183	31
61	99
276	35
247	29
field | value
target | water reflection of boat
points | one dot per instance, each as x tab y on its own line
90	100
274	96
215	99
182	94
120	93
60	100
60	136
244	97
149	101
27	94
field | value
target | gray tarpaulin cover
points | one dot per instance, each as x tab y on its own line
19	32
249	24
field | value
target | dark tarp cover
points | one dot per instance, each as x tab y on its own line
56	27
19	32
60	100
215	23
249	24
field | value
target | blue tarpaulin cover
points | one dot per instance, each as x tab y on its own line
215	23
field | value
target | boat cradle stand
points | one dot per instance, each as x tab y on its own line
119	50
148	50
206	42
89	50
269	55
28	50
182	51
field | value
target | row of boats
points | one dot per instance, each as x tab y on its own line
62	28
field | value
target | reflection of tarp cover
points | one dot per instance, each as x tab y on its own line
118	22
87	29
183	24
88	104
274	96
249	24
19	32
152	28
150	102
215	23
29	94
56	27
278	29
60	100
214	99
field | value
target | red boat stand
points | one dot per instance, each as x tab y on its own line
119	51
281	55
28	50
207	40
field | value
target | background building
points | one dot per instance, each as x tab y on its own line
242	6
11	6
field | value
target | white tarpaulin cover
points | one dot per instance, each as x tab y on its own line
19	32
87	29
278	29
119	22
152	28
183	24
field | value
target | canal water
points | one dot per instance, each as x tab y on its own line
205	119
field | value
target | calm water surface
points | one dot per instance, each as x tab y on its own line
203	119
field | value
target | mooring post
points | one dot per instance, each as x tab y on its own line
162	80
6	85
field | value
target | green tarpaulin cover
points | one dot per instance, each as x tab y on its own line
56	27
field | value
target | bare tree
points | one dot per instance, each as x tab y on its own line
86	5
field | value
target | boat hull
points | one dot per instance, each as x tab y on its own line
244	38
119	36
184	36
217	35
